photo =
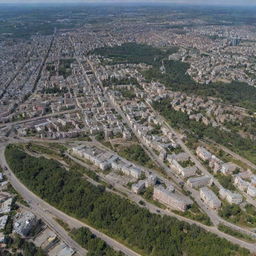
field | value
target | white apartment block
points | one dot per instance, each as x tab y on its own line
209	198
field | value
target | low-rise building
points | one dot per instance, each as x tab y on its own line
151	180
253	180
175	165
4	197
188	171
181	157
251	191
170	188
209	198
228	168
131	170
4	183
245	174
170	199
184	172
135	172
232	198
241	184
204	154
215	164
106	159
138	187
198	182
6	206
3	221
24	222
61	249
2	239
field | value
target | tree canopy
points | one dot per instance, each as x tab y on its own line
148	233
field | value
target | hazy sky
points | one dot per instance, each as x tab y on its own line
211	2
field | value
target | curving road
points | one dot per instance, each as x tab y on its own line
48	212
216	220
154	209
236	156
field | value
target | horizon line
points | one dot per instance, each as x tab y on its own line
119	2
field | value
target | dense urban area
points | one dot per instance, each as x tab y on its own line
127	130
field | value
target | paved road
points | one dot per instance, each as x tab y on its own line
39	210
37	118
154	209
236	156
195	194
48	212
58	229
168	171
210	213
216	219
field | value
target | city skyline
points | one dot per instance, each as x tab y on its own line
127	127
